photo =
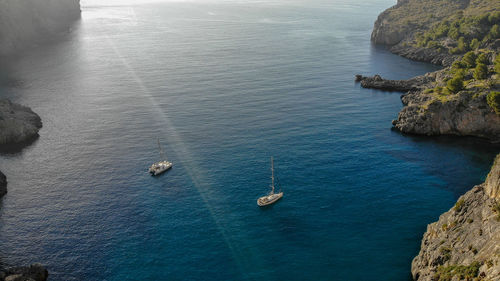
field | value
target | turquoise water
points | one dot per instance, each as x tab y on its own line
225	85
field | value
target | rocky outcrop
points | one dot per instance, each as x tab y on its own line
18	124
24	23
3	184
463	114
34	272
465	242
413	84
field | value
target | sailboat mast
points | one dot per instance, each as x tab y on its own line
162	153
272	174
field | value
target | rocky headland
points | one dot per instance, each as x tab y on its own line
464	244
430	30
18	123
464	36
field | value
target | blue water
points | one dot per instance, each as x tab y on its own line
225	85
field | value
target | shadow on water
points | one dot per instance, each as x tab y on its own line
452	159
16	148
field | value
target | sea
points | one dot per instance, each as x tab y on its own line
224	85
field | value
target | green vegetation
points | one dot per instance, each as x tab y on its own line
497	64
455	84
446	252
481	71
446	273
459	205
482	59
469	59
493	100
470	32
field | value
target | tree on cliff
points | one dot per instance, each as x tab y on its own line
481	71
455	84
497	64
469	59
493	99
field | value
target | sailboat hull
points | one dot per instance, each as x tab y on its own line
269	199
160	167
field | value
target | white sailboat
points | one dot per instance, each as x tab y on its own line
271	197
161	166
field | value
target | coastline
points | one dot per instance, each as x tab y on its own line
23	25
463	243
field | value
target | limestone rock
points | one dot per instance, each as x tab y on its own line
492	185
377	82
464	239
17	123
464	114
35	272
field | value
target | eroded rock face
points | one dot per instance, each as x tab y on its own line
464	239
464	114
492	184
423	54
3	184
385	32
34	272
17	123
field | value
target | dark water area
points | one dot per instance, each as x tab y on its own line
225	85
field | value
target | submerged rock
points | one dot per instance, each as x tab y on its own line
34	272
465	242
17	123
3	184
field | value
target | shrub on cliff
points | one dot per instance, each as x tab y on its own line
469	59
497	64
493	100
474	44
482	59
481	71
455	84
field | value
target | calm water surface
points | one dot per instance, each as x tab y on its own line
225	85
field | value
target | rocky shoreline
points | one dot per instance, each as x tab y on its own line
34	272
24	24
463	114
19	127
465	242
460	99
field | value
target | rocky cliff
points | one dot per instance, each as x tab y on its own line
437	30
463	114
24	23
431	108
464	244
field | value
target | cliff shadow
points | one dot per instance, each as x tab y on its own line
15	148
459	162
